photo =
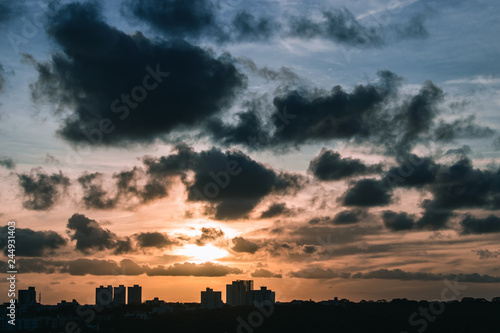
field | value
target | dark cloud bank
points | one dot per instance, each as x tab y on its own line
120	93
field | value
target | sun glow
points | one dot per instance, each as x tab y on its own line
202	253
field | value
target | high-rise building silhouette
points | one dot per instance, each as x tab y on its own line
237	292
104	295
27	297
119	295
211	299
259	296
134	294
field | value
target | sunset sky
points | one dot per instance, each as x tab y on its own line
321	148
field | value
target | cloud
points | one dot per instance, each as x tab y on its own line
131	188
128	82
377	114
175	18
318	273
367	193
40	190
462	128
264	273
208	235
397	274
284	74
83	266
202	19
432	218
394	274
153	239
2	71
191	269
398	221
486	254
94	194
276	209
31	243
123	246
231	180
412	171
245	27
349	216
243	245
10	10
472	225
329	165
338	25
462	186
341	26
7	162
89	235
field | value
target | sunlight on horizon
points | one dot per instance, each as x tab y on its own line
202	253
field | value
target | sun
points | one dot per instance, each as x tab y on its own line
202	253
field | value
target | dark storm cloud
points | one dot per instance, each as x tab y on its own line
486	254
243	245
349	216
284	74
7	162
246	27
276	209
367	193
191	269
398	221
209	235
31	243
397	274
127	89
461	186
176	18
230	180
394	274
128	188
40	190
336	114
341	26
10	10
329	235
264	273
412	171
82	266
319	273
462	128
320	220
378	114
89	235
153	239
418	116
432	218
472	225
329	165
202	19
37	265
123	245
126	192
95	196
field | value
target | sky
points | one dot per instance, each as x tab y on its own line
321	148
